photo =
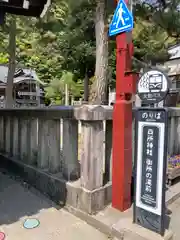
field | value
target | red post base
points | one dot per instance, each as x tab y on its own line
122	155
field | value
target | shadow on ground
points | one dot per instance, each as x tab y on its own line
18	199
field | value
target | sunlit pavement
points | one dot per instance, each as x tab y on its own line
175	219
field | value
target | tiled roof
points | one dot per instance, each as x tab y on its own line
28	74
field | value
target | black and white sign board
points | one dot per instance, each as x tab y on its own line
153	86
150	168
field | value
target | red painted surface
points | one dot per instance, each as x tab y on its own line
122	125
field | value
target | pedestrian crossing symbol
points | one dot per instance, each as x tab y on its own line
122	20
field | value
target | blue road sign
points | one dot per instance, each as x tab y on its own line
122	20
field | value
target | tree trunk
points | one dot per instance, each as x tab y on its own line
99	87
12	63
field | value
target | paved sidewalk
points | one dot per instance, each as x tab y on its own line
175	219
19	202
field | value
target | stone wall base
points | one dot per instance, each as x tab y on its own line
88	201
58	189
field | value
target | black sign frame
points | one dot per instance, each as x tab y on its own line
141	216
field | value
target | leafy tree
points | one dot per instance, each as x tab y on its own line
73	38
150	42
56	89
166	14
36	46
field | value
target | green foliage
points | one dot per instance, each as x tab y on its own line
54	44
61	47
150	38
77	44
150	41
56	89
3	58
167	16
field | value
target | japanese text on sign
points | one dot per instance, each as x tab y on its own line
151	115
149	148
151	95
